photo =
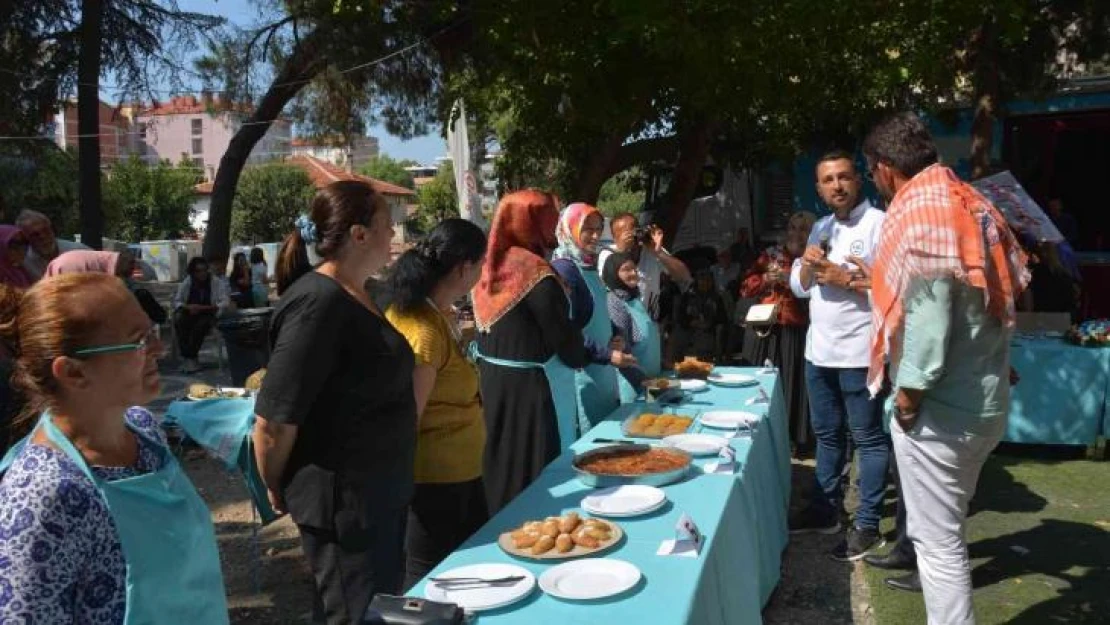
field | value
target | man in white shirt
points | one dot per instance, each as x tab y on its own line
45	244
837	357
651	257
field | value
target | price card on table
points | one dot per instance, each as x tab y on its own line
726	462
762	398
687	542
769	368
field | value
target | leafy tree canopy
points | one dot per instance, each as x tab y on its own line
149	202
438	200
386	168
267	202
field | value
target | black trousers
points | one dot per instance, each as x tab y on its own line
349	570
191	331
902	543
441	517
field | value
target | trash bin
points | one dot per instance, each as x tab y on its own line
246	335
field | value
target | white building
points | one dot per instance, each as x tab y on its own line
333	151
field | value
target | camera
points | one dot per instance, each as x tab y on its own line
643	234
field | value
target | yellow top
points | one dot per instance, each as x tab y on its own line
452	433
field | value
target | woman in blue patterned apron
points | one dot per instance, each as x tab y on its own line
98	522
579	232
527	348
632	322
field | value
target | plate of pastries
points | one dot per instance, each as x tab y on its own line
692	368
652	425
560	537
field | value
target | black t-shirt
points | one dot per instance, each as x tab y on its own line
343	375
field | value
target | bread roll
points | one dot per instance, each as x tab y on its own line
564	543
543	545
569	523
550	528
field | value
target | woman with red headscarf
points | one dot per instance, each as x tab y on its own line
527	347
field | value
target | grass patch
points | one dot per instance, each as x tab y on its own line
1038	499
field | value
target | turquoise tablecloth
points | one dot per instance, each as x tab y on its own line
743	517
223	428
1062	396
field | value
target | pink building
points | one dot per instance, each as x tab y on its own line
200	129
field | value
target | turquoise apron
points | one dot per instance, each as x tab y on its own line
647	351
598	393
559	378
165	529
223	428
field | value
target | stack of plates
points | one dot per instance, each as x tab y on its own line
624	501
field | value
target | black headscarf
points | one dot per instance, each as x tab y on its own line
610	276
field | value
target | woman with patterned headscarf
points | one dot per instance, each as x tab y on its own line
526	347
578	233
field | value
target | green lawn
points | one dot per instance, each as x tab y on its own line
1043	500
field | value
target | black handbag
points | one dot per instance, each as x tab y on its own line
392	610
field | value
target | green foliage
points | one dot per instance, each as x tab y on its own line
149	202
267	202
623	193
438	200
385	168
42	179
773	78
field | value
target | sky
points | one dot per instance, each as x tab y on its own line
244	13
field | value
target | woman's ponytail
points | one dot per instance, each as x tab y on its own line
292	261
418	270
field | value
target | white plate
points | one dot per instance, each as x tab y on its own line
693	386
696	444
591	578
483	597
732	379
624	501
728	419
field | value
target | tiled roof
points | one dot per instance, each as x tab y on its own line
191	105
324	173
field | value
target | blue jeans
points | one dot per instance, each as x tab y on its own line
839	398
